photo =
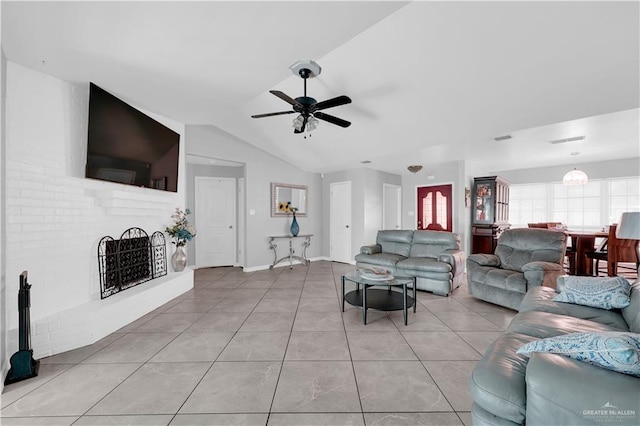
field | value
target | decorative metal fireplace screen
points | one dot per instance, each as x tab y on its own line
133	259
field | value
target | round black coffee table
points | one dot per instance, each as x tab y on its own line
382	299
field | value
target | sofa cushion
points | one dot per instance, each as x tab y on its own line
564	391
423	264
517	247
616	351
506	279
541	299
432	243
395	242
544	324
481	417
598	292
498	381
631	313
387	260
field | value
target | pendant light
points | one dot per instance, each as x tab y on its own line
575	176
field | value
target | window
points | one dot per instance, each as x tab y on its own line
624	196
527	204
578	206
590	207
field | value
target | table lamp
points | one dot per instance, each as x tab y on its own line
629	229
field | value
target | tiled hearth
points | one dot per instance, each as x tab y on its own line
269	347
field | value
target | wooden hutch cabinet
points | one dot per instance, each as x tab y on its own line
490	212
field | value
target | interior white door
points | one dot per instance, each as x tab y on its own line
241	225
215	221
391	206
340	222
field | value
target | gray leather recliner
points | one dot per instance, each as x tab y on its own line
524	258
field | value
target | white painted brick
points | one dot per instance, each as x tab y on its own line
55	218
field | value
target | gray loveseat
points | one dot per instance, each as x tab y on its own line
433	257
550	389
524	258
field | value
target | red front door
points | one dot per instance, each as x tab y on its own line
435	208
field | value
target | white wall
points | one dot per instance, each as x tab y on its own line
596	170
4	356
55	217
261	169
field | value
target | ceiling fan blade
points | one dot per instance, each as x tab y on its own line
304	124
330	103
331	119
286	98
270	114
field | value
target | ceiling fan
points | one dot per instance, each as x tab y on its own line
307	107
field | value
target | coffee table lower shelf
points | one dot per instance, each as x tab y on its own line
380	299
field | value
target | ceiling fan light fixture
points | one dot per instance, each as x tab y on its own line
312	123
297	122
309	110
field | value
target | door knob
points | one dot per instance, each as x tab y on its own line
230	226
346	226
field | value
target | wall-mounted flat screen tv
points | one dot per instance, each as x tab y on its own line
127	146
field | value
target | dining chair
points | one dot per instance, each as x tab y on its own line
615	251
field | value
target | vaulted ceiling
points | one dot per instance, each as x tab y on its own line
430	81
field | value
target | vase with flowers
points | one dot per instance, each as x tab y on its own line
182	232
288	208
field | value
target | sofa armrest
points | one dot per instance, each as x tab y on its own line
455	258
371	249
485	259
542	273
574	392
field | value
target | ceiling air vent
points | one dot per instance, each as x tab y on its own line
565	140
502	138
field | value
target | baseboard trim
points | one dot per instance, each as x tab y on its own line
295	262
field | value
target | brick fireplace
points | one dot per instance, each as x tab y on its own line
55	219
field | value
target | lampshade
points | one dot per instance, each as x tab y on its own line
312	123
297	122
575	177
629	226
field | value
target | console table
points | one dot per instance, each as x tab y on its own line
291	255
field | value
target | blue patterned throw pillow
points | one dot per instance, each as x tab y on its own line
598	292
617	351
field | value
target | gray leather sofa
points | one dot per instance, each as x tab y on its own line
433	257
550	389
524	258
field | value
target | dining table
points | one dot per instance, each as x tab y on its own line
584	242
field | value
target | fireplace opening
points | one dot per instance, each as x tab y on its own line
132	259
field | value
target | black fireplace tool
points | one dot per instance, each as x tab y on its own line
23	366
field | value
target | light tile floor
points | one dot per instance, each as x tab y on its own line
268	348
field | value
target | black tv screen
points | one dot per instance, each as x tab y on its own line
129	147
